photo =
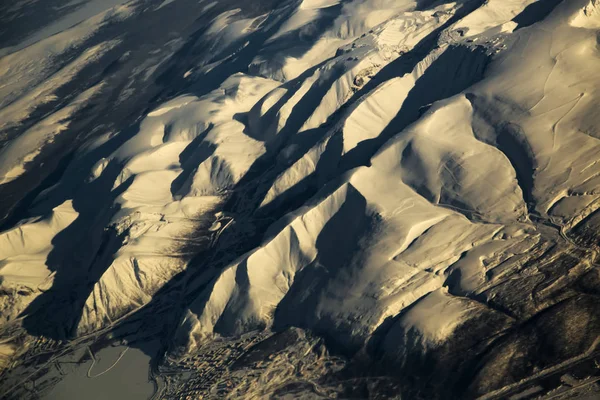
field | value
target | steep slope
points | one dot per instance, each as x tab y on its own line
402	193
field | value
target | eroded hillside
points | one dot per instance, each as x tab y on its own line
361	199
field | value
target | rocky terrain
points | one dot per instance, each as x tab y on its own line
300	199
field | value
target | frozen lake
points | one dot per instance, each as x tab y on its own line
119	372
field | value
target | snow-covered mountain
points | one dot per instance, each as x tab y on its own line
299	199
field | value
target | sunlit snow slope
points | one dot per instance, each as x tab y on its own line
403	194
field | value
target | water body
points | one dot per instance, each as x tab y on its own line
118	373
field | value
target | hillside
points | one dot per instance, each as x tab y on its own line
261	199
